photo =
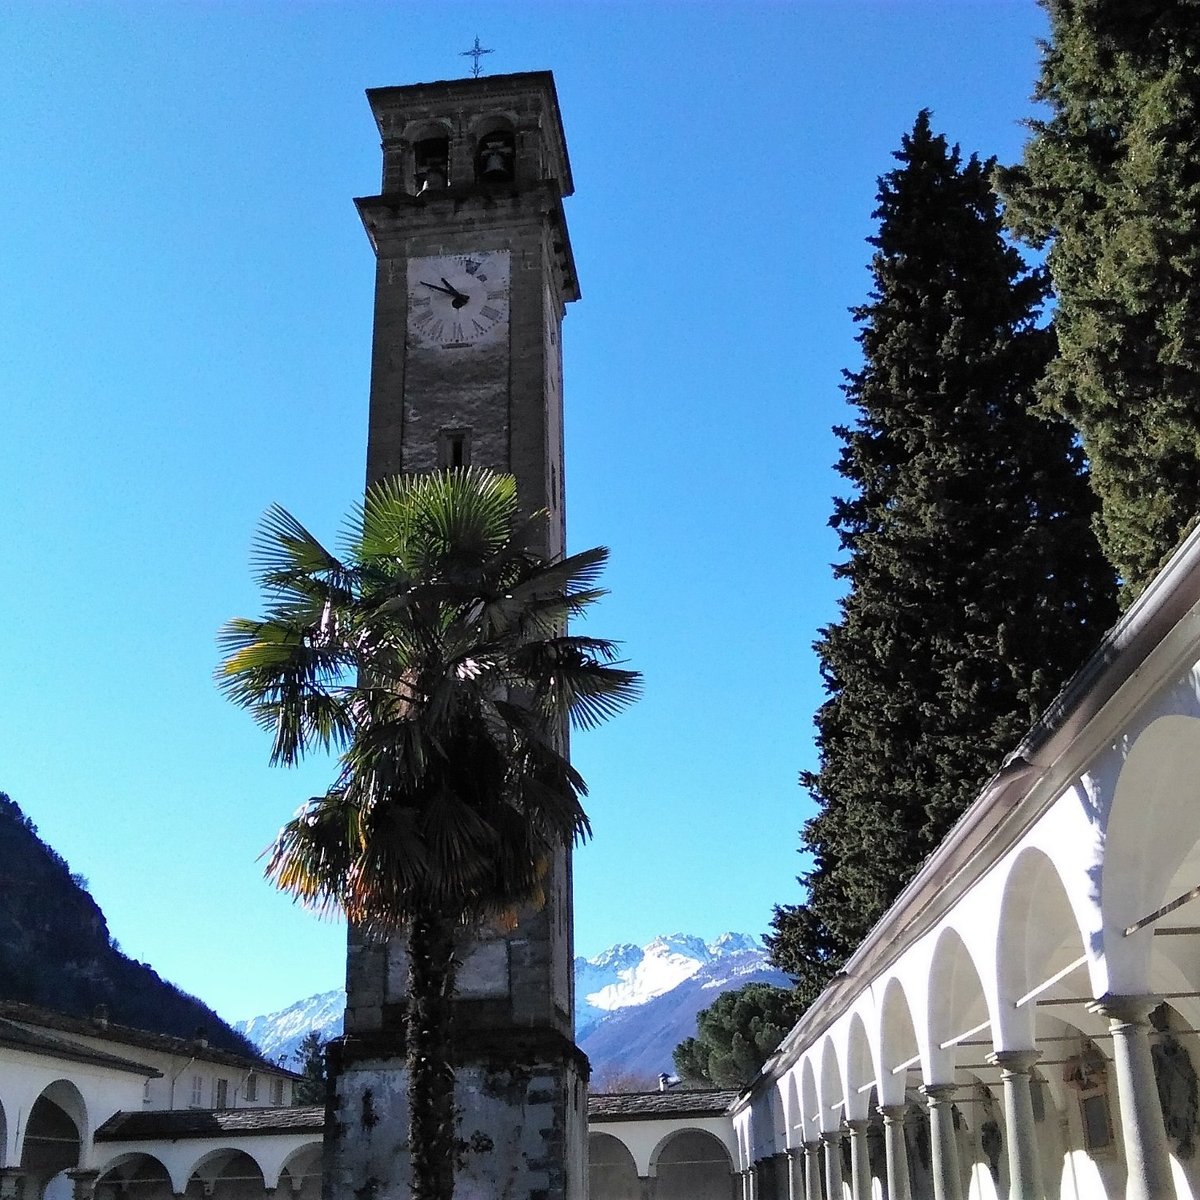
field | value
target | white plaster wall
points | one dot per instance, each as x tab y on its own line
25	1076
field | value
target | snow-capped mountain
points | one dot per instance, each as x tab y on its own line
633	1004
626	976
279	1034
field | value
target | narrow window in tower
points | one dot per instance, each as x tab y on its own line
454	448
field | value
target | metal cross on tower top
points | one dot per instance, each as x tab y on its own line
476	52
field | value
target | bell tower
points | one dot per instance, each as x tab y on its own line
473	276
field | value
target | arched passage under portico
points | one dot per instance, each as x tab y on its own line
612	1173
691	1164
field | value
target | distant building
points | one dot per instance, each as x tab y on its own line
91	1108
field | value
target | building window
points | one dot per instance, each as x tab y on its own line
197	1091
252	1086
221	1093
277	1091
1096	1120
454	448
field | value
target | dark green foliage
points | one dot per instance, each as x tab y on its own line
55	950
434	654
1112	181
736	1034
975	585
310	1062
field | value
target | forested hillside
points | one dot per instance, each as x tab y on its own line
55	948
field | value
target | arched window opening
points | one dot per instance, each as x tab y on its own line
431	164
496	157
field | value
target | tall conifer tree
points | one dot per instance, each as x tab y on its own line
1112	180
975	585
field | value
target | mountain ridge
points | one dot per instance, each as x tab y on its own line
634	1004
56	951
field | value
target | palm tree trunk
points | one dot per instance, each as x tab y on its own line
432	1134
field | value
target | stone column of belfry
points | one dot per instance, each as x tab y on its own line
947	1182
899	1186
1147	1155
1020	1130
474	271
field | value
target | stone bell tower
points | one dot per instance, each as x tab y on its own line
474	273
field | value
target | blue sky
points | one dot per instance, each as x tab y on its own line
184	340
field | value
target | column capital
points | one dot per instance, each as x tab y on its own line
1014	1062
858	1126
1125	1010
812	1148
831	1137
938	1093
794	1152
893	1114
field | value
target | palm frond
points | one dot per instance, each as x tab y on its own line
434	656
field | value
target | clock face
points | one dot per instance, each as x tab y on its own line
457	300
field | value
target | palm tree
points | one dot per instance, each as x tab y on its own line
434	657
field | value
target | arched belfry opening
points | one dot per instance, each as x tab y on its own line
431	163
496	153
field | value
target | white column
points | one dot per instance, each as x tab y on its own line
896	1150
812	1171
947	1183
832	1142
1146	1154
795	1170
1020	1130
860	1160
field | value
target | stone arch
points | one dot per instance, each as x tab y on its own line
897	1042
957	1002
779	1121
691	1164
56	1131
226	1174
831	1091
301	1171
612	1172
859	1073
149	1173
427	156
1040	935
494	152
1151	843
791	1109
810	1105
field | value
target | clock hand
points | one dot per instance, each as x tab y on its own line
460	298
448	290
